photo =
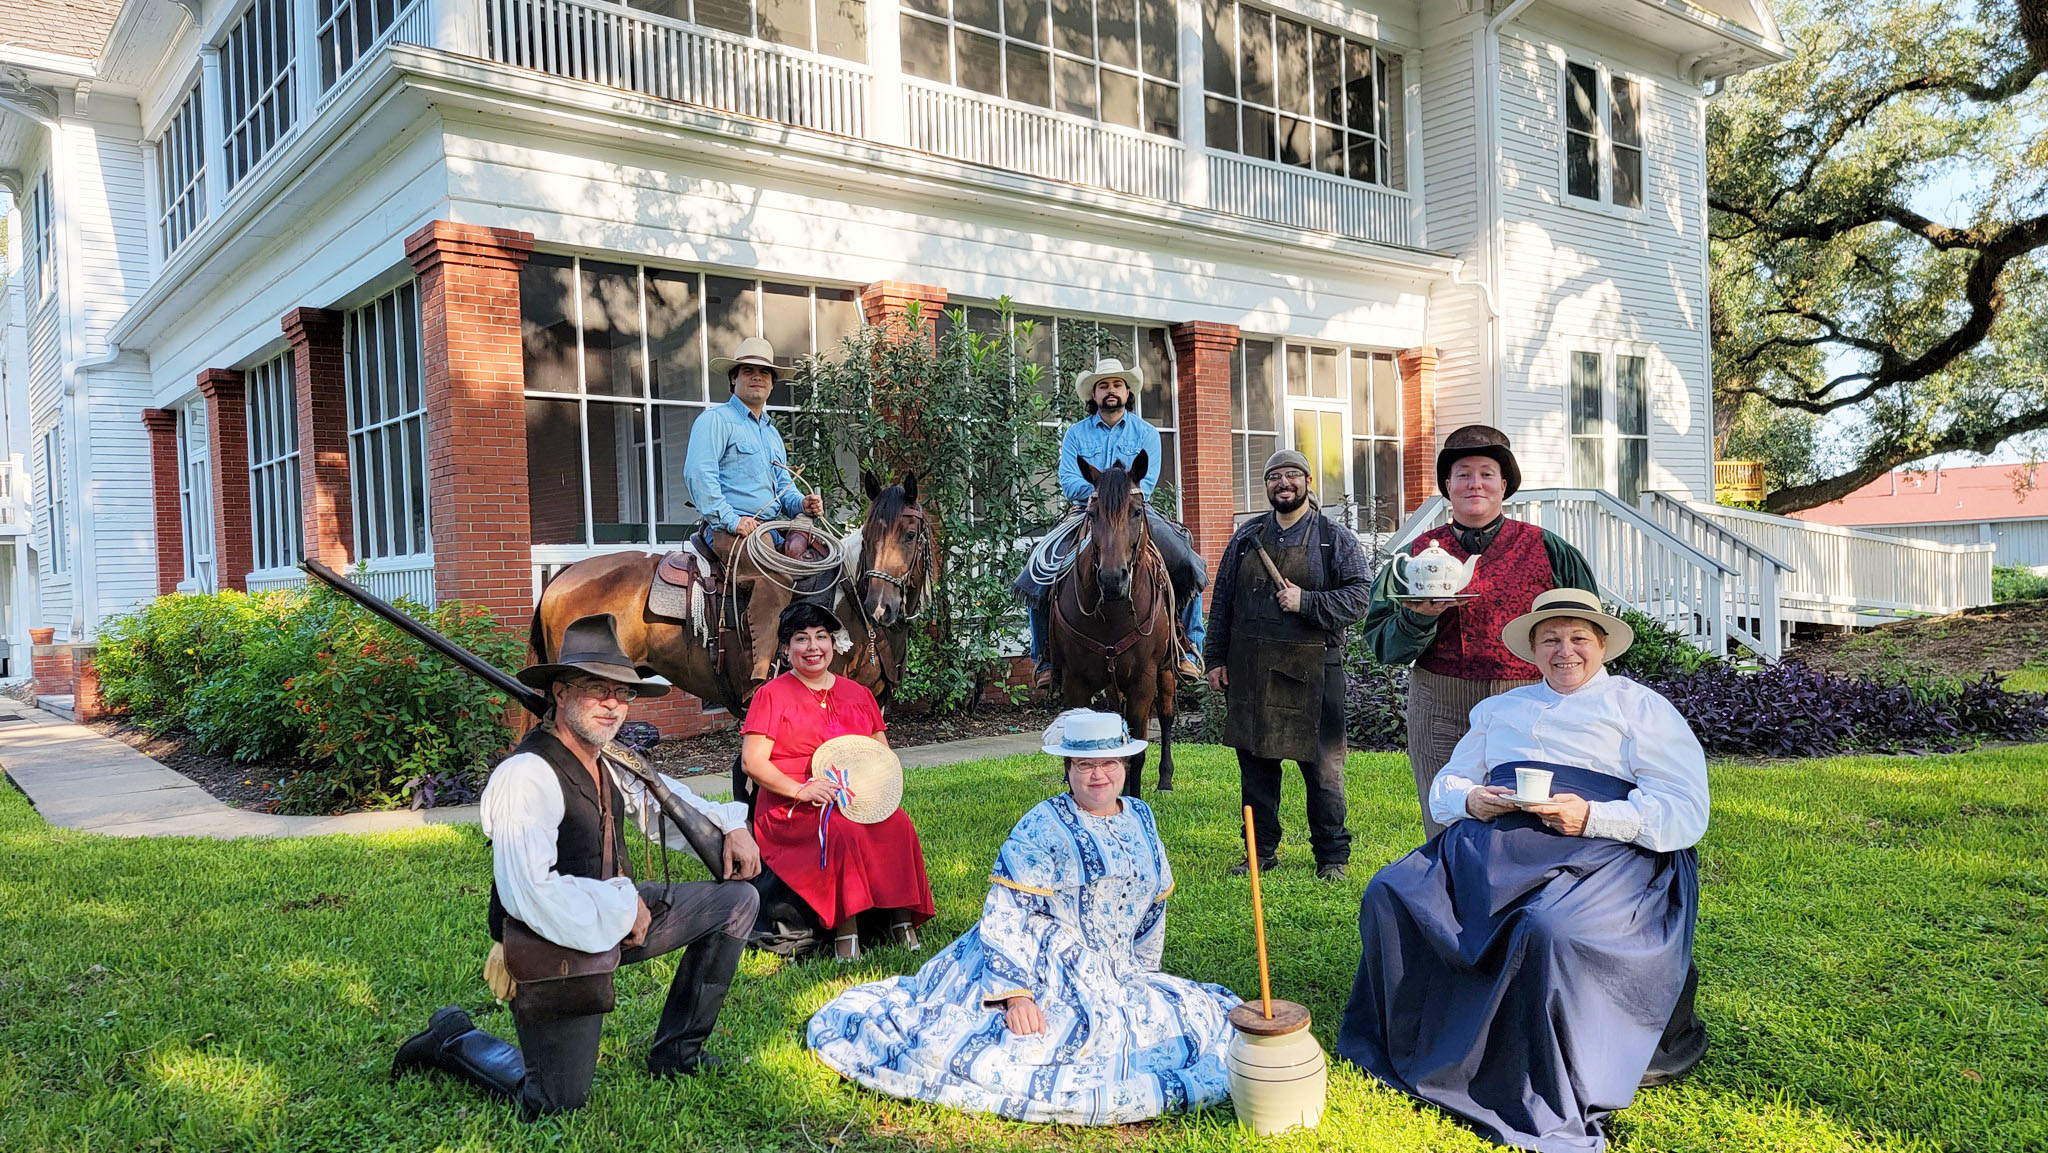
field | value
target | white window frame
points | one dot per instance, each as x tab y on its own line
1248	496
276	540
346	30
41	275
1340	401
258	61
1166	124
54	505
1608	436
692	12
387	434
195	497
1605	144
1385	138
181	172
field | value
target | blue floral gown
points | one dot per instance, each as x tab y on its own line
1076	918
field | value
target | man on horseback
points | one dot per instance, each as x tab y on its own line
1112	433
739	477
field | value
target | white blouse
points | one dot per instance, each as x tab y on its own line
1610	725
522	807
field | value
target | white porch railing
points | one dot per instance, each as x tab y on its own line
1755	592
270	580
619	48
1836	573
947	121
14	490
1287	195
408	577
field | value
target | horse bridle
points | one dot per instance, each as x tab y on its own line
920	545
1139	559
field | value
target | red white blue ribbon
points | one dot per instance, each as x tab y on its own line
842	792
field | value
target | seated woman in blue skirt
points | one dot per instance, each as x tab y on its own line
1531	966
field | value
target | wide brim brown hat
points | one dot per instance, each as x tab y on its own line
1478	440
1575	603
590	645
870	777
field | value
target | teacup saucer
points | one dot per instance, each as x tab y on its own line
1437	597
1519	799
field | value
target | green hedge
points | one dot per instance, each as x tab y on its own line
2017	583
373	719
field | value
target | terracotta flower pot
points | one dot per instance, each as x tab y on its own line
42	636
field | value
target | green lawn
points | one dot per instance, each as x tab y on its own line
1873	950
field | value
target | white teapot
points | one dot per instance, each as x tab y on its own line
1434	572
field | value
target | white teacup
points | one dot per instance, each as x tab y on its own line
1532	784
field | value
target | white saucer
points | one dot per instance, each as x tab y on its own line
1450	597
1518	799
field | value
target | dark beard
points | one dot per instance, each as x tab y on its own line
1300	498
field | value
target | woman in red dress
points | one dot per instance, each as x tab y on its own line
839	867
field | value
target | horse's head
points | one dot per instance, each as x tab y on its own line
1116	525
898	554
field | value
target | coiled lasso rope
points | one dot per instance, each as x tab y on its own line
1052	556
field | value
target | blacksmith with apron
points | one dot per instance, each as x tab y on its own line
1291	582
1455	645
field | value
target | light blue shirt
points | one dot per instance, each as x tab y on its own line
737	467
1103	445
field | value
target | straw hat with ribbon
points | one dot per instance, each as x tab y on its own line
754	350
866	777
1108	366
1576	603
1084	733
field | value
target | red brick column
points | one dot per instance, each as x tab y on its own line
1202	353
1418	426
227	435
324	506
162	424
890	300
476	414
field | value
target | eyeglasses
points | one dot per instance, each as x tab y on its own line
1292	474
606	690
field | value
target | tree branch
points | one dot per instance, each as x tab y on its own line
1876	464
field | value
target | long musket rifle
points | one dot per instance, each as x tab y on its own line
706	840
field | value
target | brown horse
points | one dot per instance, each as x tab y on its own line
1112	621
897	564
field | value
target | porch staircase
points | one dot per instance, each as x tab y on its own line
1723	577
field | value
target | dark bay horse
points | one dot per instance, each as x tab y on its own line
1113	612
875	599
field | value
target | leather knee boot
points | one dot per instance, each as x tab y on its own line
453	1044
694	999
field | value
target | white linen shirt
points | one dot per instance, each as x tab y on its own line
1610	725
521	810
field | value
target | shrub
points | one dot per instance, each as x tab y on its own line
1657	652
2017	583
1375	699
211	666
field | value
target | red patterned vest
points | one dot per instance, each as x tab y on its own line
1512	570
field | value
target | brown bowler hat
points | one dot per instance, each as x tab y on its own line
1478	440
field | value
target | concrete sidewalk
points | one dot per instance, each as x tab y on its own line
78	779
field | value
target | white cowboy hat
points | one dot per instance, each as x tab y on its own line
754	350
1082	733
1578	603
1084	384
872	787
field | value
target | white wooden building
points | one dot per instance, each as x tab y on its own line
432	284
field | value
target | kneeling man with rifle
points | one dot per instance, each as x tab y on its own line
564	910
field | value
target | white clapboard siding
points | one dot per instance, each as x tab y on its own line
109	209
120	491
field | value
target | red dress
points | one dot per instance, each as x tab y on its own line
878	866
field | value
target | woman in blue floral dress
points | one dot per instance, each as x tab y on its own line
1052	1007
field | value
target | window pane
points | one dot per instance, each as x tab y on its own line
1162	108
672	424
1161	31
1297	371
936	8
924	50
1219	118
1631	468
611	329
1025	20
547	323
1290	56
1160	401
979	13
1362	158
786	22
1323	366
1582	172
1297	147
838	319
1628	177
1074	80
416	480
1631	395
1258	449
1260	392
1167	467
1329	459
1329	149
786	322
1585	394
673	335
980	60
1120	98
730	316
1255	54
1361	393
1624	111
1361	480
1587	469
618	473
1359	99
1386	396
1116	24
1030	74
1327	75
843	29
1240	476
1387	496
727	15
1581	110
1073	26
1261	134
1219	46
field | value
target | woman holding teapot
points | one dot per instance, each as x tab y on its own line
1454	643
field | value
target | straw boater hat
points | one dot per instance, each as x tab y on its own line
873	788
1082	733
1577	603
591	645
754	350
1084	384
1478	440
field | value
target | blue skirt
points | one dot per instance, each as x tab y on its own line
1520	978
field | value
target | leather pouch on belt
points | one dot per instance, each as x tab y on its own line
553	981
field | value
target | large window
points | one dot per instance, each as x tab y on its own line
1610	419
1603	136
1110	60
181	173
387	426
347	29
58	552
617	370
273	465
41	270
834	27
1284	90
195	496
1340	408
256	84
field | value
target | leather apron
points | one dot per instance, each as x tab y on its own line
1280	664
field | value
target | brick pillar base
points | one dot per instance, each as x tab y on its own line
227	437
1418	426
162	425
476	414
1202	359
889	302
325	511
